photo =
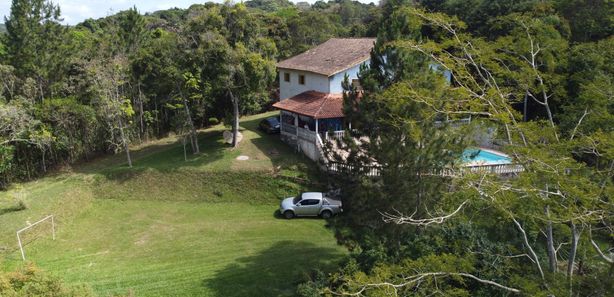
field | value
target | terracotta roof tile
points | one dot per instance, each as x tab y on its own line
314	104
332	56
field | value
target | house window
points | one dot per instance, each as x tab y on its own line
301	79
286	77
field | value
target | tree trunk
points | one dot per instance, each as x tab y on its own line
235	122
141	111
124	141
526	101
40	88
194	138
575	237
185	152
550	243
43	159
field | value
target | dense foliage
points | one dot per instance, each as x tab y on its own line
71	92
534	76
30	281
535	80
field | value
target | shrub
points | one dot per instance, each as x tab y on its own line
213	121
31	281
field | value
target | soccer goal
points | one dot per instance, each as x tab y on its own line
38	227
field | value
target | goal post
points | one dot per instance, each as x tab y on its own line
45	219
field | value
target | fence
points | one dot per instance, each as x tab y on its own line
495	168
334	134
337	167
374	171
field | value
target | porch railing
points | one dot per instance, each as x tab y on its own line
287	128
494	168
334	134
375	171
307	135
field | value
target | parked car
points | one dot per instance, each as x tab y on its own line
310	204
270	125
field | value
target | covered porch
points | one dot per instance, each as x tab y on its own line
309	118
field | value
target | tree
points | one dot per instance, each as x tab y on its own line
34	41
248	77
31	281
551	204
590	89
114	108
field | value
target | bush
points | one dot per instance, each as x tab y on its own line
21	205
213	121
31	281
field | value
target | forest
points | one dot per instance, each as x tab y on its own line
70	93
538	72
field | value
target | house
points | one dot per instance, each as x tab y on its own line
311	104
311	95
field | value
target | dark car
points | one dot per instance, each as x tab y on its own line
270	125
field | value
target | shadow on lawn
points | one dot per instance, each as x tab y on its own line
162	157
274	272
282	155
158	172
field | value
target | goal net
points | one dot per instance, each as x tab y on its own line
44	227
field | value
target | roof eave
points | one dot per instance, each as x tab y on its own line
328	74
304	70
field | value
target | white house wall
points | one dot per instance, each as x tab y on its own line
313	82
337	79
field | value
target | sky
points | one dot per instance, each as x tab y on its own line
75	11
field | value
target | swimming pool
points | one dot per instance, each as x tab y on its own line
477	156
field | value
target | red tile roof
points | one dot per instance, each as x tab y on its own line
314	104
332	56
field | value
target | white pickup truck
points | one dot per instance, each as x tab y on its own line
310	204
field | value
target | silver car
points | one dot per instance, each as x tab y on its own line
310	204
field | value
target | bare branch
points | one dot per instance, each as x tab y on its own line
410	280
400	219
575	129
598	250
526	242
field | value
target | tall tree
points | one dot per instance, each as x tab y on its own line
112	104
551	204
248	76
34	41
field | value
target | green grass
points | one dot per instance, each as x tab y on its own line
167	227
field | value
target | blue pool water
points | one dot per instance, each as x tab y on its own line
481	156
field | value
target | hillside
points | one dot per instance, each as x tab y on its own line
166	227
2	28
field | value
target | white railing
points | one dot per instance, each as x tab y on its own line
334	135
494	168
307	135
375	171
337	167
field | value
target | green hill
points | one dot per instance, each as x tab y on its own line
167	227
2	28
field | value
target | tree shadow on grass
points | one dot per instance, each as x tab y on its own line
274	272
283	156
165	156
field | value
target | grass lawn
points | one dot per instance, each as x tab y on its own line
166	227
